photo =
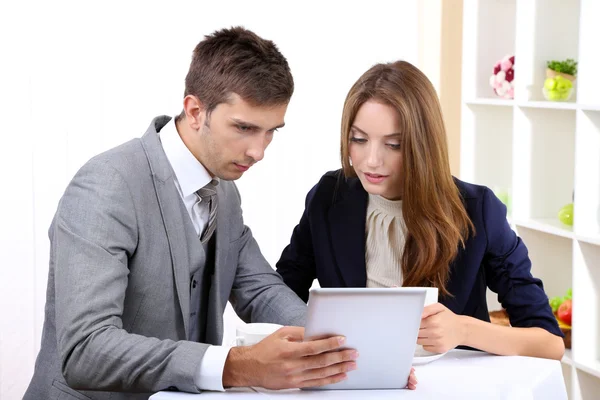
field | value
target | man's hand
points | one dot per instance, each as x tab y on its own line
282	361
412	380
441	330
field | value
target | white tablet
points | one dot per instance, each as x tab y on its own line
381	324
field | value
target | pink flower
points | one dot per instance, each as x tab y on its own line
510	75
502	79
505	64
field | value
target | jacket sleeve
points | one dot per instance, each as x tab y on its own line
508	271
297	262
93	236
258	293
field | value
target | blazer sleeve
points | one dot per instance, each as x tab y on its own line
258	293
508	271
297	262
93	236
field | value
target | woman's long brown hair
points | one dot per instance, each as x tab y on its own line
434	214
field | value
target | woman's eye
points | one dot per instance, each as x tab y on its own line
358	140
394	146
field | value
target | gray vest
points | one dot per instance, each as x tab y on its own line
201	259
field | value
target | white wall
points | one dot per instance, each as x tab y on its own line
77	78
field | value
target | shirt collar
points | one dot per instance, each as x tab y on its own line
189	172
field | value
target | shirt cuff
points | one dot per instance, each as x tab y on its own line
209	375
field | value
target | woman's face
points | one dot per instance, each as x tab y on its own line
375	152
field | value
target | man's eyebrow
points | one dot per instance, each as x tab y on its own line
366	134
254	126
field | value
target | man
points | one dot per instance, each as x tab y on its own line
148	244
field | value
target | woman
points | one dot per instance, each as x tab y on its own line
395	216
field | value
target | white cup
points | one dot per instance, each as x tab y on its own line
431	297
249	334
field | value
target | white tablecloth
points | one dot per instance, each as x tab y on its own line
460	374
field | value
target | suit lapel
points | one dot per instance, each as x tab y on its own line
347	219
169	203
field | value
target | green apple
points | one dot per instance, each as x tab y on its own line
563	85
554	95
565	214
550	84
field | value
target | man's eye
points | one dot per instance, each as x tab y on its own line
244	128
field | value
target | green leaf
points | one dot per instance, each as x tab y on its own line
555	302
569	295
569	66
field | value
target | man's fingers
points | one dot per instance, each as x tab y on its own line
316	346
325	372
331	358
323	381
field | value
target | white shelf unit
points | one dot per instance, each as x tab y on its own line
545	154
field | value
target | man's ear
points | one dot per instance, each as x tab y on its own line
195	112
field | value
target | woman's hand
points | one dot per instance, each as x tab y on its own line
441	330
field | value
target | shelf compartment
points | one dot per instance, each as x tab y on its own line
586	318
587	176
491	146
550	226
487	40
568	357
551	259
553	40
588	84
544	152
553	105
490	102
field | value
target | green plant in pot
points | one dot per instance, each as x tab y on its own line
560	77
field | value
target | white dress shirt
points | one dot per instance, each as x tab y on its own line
190	175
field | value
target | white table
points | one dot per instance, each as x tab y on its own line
460	374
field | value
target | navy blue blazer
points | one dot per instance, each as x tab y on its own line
329	244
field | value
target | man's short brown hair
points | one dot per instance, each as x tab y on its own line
238	61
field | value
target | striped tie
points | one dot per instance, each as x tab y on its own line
209	193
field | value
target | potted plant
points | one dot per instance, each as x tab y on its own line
560	76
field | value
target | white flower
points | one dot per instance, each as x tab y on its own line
500	76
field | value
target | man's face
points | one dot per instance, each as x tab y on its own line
235	136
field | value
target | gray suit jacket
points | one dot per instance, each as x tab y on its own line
117	306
